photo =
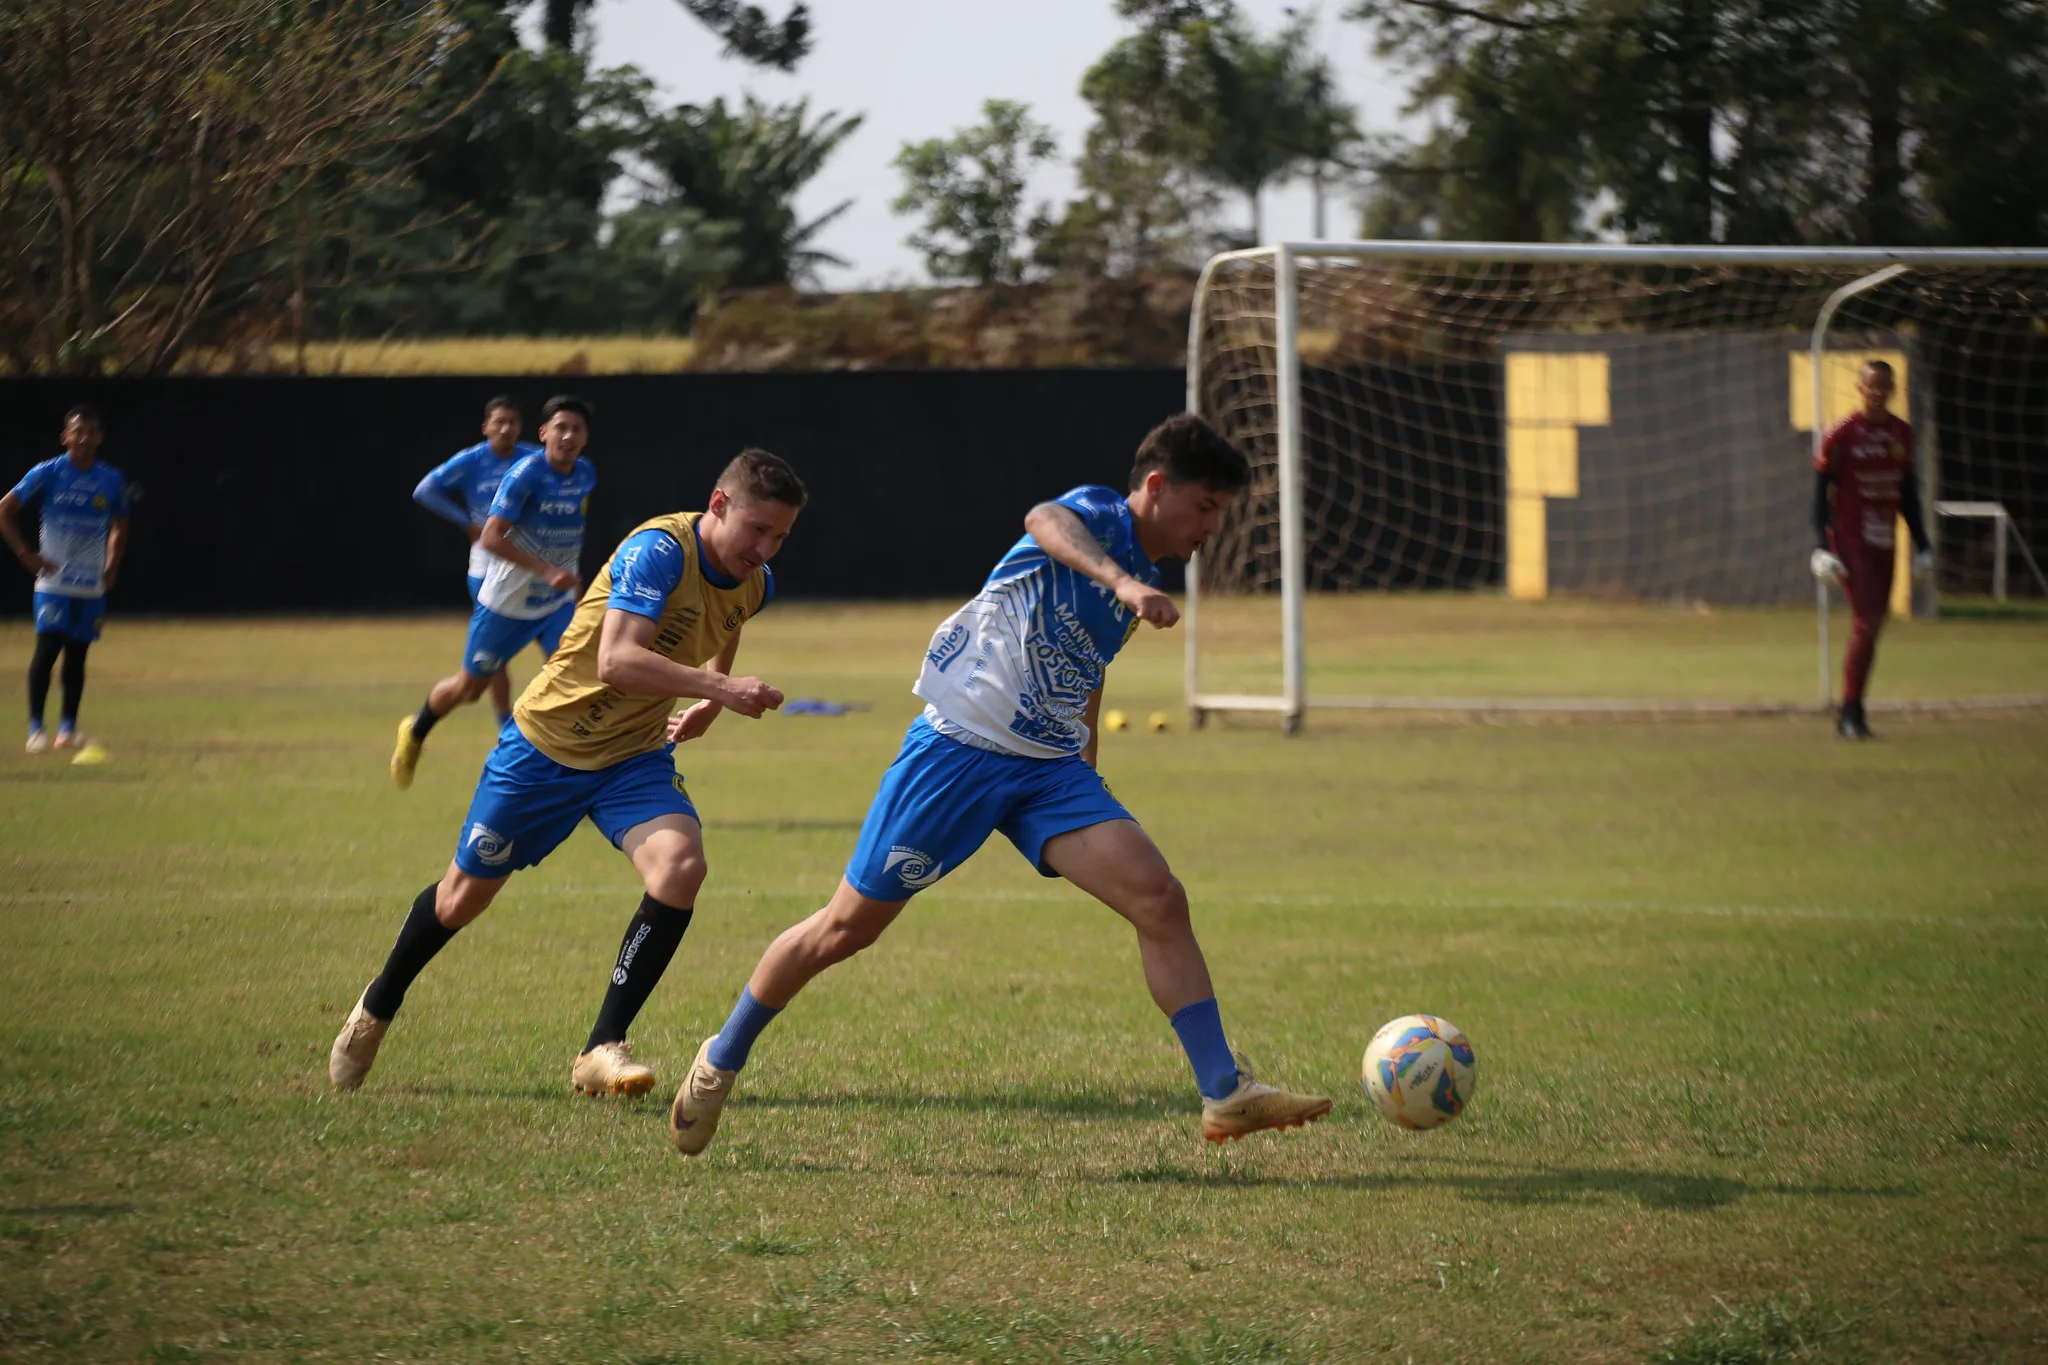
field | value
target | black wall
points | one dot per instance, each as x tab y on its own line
295	494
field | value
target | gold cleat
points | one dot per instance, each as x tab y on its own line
355	1049
406	757
693	1118
1253	1107
609	1069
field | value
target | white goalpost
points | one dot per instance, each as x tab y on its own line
1585	423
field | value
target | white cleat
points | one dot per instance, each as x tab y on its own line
355	1050
609	1069
39	741
1253	1107
693	1118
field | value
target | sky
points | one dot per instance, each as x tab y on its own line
921	68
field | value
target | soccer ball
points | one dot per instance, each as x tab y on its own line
1420	1071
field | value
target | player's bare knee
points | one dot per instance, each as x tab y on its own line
1159	906
677	878
461	897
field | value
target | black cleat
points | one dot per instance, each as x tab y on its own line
1850	724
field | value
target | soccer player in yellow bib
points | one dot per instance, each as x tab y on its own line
593	736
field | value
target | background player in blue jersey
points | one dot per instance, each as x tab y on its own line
84	509
1012	684
534	534
462	487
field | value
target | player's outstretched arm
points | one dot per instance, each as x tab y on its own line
1064	537
692	721
497	539
433	495
626	660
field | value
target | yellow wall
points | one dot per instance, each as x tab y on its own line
1551	394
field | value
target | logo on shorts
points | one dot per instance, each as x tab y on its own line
680	788
482	664
914	869
489	846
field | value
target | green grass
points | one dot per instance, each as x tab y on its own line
1759	1019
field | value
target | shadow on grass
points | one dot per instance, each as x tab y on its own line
1081	1104
793	826
68	1211
1532	1186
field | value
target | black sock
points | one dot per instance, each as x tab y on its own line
651	940
419	938
48	647
424	721
73	677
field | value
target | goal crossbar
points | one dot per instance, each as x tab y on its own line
1880	264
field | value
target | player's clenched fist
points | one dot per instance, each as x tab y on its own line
561	580
1147	603
750	696
1827	567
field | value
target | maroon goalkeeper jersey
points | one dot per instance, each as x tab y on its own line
1869	460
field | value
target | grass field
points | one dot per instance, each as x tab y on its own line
1760	1021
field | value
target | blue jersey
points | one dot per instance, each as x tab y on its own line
546	510
78	509
462	488
1013	668
648	566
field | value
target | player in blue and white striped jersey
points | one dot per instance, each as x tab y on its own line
1012	685
462	488
534	535
83	504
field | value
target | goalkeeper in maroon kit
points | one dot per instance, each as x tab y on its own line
1865	485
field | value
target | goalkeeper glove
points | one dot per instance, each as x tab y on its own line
1923	563
1826	567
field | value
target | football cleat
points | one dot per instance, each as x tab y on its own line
693	1118
405	757
1253	1107
355	1048
609	1069
1851	724
39	741
69	739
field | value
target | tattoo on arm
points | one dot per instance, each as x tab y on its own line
1065	526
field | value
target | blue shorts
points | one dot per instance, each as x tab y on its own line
74	618
941	799
494	639
526	803
476	587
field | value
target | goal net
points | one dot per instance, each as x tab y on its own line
1580	477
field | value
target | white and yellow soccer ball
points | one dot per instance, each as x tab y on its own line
1420	1071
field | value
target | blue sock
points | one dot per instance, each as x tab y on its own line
1200	1027
729	1050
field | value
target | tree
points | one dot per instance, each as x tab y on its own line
164	154
747	30
1730	120
1140	205
1240	110
970	190
741	170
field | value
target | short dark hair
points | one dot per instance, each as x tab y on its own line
83	412
1188	450
757	476
1882	365
503	400
564	402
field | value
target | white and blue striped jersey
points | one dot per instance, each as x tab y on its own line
78	507
1013	669
546	510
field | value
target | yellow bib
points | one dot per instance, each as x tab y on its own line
579	722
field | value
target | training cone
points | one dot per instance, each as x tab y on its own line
1157	723
1115	721
90	755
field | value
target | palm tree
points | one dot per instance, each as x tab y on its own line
748	32
742	170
